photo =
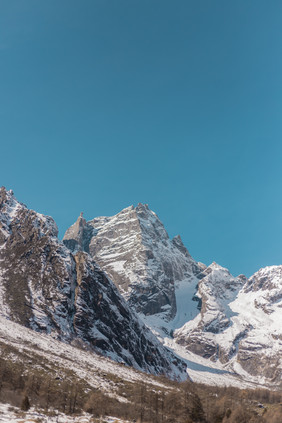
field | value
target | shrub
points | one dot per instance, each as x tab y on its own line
25	405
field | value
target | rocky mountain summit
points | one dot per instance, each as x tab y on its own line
240	322
45	287
234	321
134	249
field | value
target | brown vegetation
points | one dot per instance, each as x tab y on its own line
144	403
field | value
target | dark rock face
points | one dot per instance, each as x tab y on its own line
104	320
45	287
78	236
37	272
134	249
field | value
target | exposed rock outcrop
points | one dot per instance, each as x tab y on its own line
134	249
45	287
239	322
233	320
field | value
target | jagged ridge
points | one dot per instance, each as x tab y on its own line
45	287
134	249
237	323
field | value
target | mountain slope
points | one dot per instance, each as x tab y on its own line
229	322
259	305
216	289
239	323
134	249
45	287
42	351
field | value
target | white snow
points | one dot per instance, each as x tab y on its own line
9	414
237	312
187	307
248	317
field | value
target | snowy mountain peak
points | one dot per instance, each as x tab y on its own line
217	267
267	278
134	249
142	207
12	211
43	286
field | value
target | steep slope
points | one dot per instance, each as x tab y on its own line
259	305
229	322
134	249
239	323
216	290
44	287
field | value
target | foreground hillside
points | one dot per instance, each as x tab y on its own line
64	383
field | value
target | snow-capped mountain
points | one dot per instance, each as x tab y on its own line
240	323
216	290
45	287
223	326
233	323
134	249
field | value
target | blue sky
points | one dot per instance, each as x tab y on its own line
177	104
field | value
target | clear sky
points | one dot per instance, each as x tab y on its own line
178	104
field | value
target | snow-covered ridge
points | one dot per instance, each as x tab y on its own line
227	320
11	211
134	249
45	287
240	323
